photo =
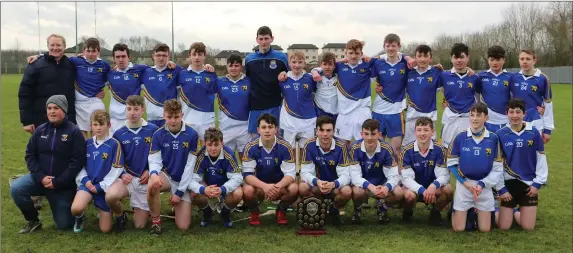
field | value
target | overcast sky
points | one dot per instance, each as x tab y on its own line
234	25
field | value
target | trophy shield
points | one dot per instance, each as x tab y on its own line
311	215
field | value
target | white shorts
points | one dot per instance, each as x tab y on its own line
452	125
137	194
173	187
410	132
235	133
116	124
464	199
84	110
350	125
299	137
238	143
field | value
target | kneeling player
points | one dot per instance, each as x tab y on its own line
424	172
525	170
326	156
216	178
135	139
474	159
373	172
269	171
104	164
173	147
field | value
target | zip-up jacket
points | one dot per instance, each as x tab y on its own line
58	151
263	69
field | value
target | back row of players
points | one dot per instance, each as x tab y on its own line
340	90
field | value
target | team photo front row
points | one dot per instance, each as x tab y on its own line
494	171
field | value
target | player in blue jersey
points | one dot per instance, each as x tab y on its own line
374	172
262	67
459	89
325	96
495	90
269	171
298	117
474	158
525	168
135	139
533	86
425	174
421	88
172	157
233	91
159	84
104	165
197	89
325	168
217	179
354	96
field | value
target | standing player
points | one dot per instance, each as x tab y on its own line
262	67
172	157
424	173
159	84
525	168
474	158
197	89
269	171
494	91
104	164
135	139
531	85
123	82
459	92
325	168
325	100
354	96
373	172
233	91
422	85
216	176
298	117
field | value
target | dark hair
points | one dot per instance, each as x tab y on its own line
515	103
213	135
324	119
371	125
392	37
528	51
120	47
424	49
458	49
92	43
496	52
264	30
135	100
199	48
234	58
267	117
327	57
425	121
479	108
161	47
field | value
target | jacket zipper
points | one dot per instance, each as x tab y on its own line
53	142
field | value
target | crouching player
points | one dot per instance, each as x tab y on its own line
174	148
525	168
373	172
216	179
269	171
325	168
135	139
104	165
474	158
425	175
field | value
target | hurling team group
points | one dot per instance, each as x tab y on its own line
298	134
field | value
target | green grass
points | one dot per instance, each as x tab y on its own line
553	231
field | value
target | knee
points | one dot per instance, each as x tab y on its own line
448	191
248	192
293	189
303	189
76	209
398	193
111	197
237	195
358	193
409	196
346	192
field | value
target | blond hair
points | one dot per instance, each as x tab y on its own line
56	36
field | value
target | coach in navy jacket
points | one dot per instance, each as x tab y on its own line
55	154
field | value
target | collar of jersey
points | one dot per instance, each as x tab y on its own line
143	123
129	65
359	62
220	157
332	145
528	127
265	53
485	134
155	67
363	147
235	81
97	144
420	73
97	59
291	76
536	74
453	71
182	128
261	142
385	58
490	71
417	149
190	69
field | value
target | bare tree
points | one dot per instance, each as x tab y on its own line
102	42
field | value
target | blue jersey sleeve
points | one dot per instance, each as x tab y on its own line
155	143
389	160
441	157
117	156
199	168
405	159
286	153
75	60
232	164
538	142
455	147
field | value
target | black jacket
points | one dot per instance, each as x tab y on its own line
43	79
58	151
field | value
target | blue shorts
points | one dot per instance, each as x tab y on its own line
158	123
254	117
98	198
391	125
320	112
493	127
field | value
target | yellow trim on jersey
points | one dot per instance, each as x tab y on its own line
389	149
444	151
384	97
186	100
79	89
510	171
115	96
198	163
224	109
231	161
245	157
403	122
547	89
149	98
344	150
352	158
412	104
289	148
289	111
118	155
403	152
344	93
303	154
